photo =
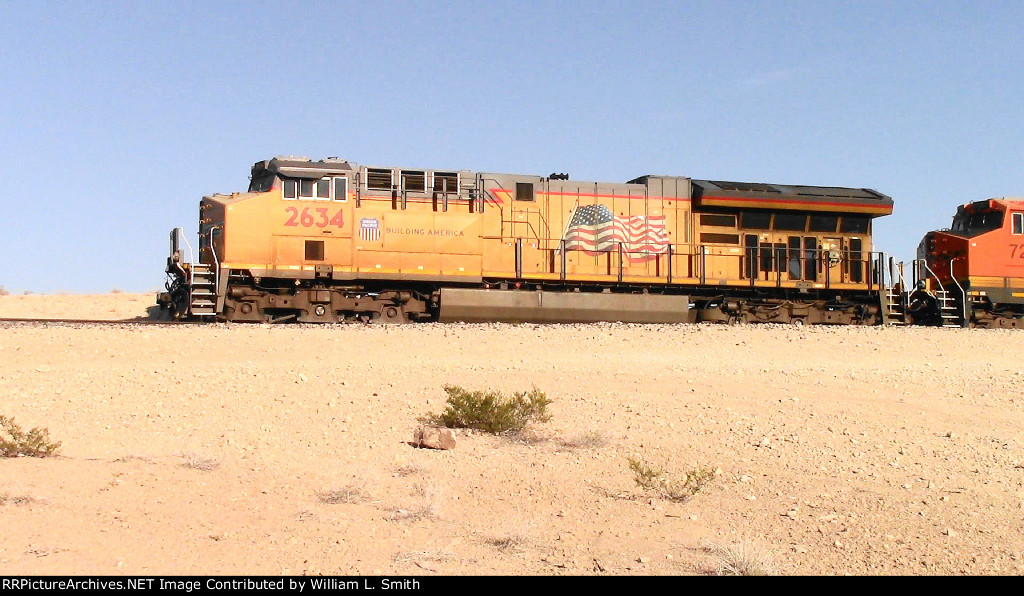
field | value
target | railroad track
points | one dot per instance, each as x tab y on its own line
135	321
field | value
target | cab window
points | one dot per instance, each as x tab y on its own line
340	188
853	224
325	189
974	224
1018	223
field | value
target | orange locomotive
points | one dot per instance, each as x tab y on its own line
329	240
973	273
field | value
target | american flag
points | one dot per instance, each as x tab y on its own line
369	229
594	229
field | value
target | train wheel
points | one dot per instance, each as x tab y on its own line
393	314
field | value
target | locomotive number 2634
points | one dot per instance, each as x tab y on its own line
318	217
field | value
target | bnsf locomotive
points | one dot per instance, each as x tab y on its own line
973	272
330	241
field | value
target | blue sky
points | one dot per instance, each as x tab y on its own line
117	117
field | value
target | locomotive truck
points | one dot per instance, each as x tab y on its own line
330	241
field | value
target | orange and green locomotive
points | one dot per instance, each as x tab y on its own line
331	241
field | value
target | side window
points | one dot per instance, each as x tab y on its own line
414	180
795	268
1018	223
711	238
314	250
340	188
855	260
824	223
854	224
721	221
810	258
378	179
790	222
524	191
446	182
323	189
755	220
750	256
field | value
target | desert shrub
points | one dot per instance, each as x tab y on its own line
4	291
518	534
493	411
15	442
673	487
741	559
199	461
9	499
353	492
593	439
409	469
415	556
429	499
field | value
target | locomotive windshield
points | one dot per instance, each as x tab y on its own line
261	181
972	224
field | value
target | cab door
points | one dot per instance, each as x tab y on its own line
832	250
802	258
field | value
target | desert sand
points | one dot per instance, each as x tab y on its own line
256	449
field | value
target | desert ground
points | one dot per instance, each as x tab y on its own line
257	449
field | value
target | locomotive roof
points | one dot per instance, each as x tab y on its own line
303	167
781	196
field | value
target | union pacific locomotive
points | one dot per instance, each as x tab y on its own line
330	241
973	272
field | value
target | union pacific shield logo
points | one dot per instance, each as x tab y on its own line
369	229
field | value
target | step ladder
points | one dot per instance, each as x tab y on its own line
949	309
203	291
895	306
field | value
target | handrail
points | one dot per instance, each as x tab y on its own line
963	294
929	270
568	220
896	273
216	263
699	253
501	205
191	257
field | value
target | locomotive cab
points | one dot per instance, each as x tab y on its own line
979	262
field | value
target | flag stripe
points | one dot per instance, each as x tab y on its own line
594	230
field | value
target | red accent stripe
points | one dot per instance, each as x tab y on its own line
875	208
583	194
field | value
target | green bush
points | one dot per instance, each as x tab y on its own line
14	442
671	487
493	411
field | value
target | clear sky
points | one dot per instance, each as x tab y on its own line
117	117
